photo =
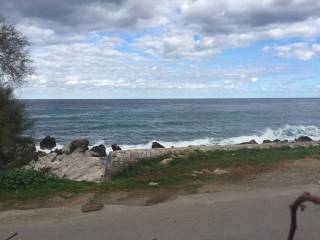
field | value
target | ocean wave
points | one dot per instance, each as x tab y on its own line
289	132
59	146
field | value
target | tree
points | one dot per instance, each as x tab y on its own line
15	66
14	57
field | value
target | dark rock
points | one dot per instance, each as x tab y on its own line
250	142
48	143
156	145
267	141
115	147
80	145
57	151
276	141
101	150
92	206
303	139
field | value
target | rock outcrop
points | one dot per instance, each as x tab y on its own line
303	139
58	151
48	143
250	142
80	145
156	145
267	141
115	147
99	151
77	166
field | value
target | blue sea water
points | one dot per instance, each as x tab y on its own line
174	122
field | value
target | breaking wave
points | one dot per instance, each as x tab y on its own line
289	132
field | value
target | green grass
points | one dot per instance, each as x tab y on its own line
198	159
26	184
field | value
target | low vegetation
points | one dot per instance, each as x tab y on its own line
191	168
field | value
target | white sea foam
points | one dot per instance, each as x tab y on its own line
59	146
289	132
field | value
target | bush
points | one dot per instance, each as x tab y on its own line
17	179
13	122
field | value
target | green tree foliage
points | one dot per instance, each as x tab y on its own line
14	68
14	57
13	122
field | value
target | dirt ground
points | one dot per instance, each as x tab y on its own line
288	173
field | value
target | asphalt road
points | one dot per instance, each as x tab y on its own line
257	214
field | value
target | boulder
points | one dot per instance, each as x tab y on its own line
76	166
57	151
115	147
79	145
48	143
250	142
267	141
166	161
156	145
92	206
303	139
100	150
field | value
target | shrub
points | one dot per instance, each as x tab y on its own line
15	67
13	122
17	179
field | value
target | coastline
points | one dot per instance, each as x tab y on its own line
76	161
169	171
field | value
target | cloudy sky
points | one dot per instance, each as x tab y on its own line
170	48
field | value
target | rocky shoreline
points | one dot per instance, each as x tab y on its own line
77	162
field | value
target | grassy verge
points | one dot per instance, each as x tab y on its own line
26	184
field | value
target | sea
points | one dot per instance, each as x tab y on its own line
136	123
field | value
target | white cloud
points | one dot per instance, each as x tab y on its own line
193	41
184	28
152	45
178	45
100	65
301	51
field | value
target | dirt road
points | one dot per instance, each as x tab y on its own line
257	214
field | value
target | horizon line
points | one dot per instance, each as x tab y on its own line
231	98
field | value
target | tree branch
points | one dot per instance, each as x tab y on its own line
304	197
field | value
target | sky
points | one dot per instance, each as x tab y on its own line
170	48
